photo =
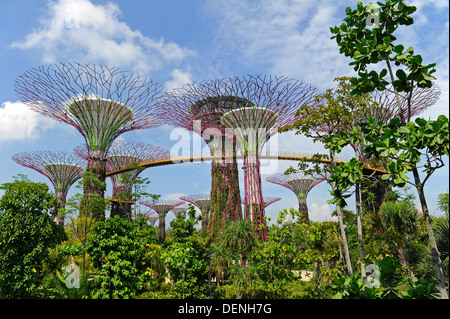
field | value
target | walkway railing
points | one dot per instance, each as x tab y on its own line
282	155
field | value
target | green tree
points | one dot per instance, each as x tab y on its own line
112	248
401	224
368	46
27	231
336	110
183	228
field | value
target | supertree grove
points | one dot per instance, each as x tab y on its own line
237	108
100	102
162	207
61	168
202	202
301	184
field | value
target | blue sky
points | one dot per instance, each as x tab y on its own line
179	41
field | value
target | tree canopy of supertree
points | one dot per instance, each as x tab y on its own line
100	102
203	202
210	100
61	168
271	103
300	184
162	207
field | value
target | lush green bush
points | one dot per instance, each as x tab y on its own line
113	250
27	231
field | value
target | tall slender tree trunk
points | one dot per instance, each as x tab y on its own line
435	255
341	222
360	231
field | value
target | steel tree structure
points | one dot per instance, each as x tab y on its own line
198	108
202	202
61	168
177	210
222	106
100	102
125	155
301	184
269	200
272	103
162	207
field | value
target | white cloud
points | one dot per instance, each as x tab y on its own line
320	213
81	30
18	122
179	78
289	37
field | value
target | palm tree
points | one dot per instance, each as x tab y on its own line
400	221
442	233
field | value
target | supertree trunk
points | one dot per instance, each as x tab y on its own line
91	205
62	201
254	202
303	210
225	194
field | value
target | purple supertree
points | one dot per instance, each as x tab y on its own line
61	168
179	209
203	202
195	107
100	102
269	200
245	109
300	184
273	102
162	207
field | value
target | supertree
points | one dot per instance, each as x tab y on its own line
196	107
215	102
269	200
100	102
202	202
61	168
125	155
179	209
300	184
161	207
272	103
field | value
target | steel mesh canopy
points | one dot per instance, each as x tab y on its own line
100	120
61	168
100	102
299	182
252	126
202	201
268	200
